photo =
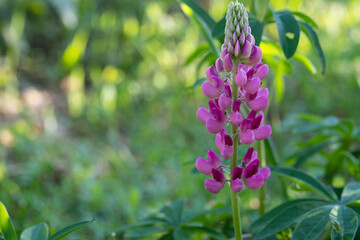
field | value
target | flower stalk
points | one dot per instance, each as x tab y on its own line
232	84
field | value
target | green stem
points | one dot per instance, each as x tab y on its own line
235	199
262	190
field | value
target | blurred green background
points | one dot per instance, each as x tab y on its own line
98	112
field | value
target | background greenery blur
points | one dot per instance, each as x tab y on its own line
98	112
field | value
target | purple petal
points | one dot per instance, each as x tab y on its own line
263	92
235	118
213	186
265	172
224	102
251	115
228	64
245	124
240	78
209	90
237	172
242	37
237	49
252	86
213	126
218	82
203	114
214	159
262	132
210	71
246	49
236	106
224	52
218	175
256	123
248	155
254	182
218	142
262	72
227	90
219	65
203	166
236	185
227	152
255	56
259	103
251	169
247	137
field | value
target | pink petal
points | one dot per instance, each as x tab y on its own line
248	155
218	175
203	114
265	172
247	137
262	132
213	126
213	186
237	49
214	159
240	78
227	152
236	185
209	90
255	56
235	118
251	169
259	103
262	72
203	166
252	86
218	142
237	172
219	65
246	49
254	182
224	102
211	71
218	82
263	92
228	64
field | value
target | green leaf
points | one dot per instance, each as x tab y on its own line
313	224
257	28
199	81
69	229
353	163
180	234
351	193
174	212
288	30
147	221
37	232
271	154
305	154
147	231
306	179
312	36
284	216
200	13
279	80
202	21
196	53
213	233
6	227
190	216
306	18
345	223
305	61
218	29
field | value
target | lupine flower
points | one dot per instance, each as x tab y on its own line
216	184
225	144
226	105
205	166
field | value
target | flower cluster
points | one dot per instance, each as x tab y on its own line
232	84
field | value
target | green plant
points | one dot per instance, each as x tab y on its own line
37	232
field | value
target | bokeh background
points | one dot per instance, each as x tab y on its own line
97	110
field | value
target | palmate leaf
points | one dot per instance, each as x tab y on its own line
345	223
218	29
288	31
257	28
284	216
147	231
69	229
351	193
312	36
313	224
300	176
7	229
174	212
147	221
37	232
